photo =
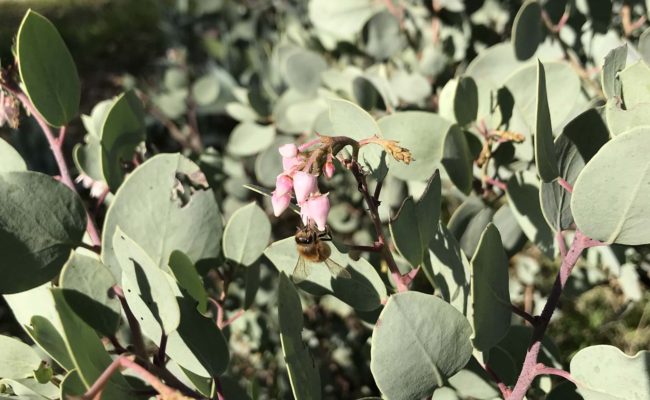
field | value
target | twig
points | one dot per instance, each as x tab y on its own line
566	185
561	244
523	314
125	362
375	248
401	282
505	390
529	369
232	319
119	349
94	249
544	370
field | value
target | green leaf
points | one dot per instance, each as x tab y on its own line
149	209
609	197
562	92
448	270
490	291
579	141
302	69
87	352
246	235
555	199
423	134
635	82
205	90
303	373
250	138
644	46
268	164
10	159
474	230
621	120
527	30
17	359
544	153
523	196
47	70
88	283
365	291
72	385
459	100
35	311
41	221
613	64
122	132
198	345
146	286
28	388
343	20
384	35
188	278
416	223
421	339
473	382
605	372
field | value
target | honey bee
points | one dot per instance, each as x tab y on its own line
312	249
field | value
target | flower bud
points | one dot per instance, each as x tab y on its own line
280	203
304	184
316	209
283	185
288	150
328	169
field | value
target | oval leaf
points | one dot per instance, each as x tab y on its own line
609	199
145	285
122	131
152	210
10	160
89	293
47	70
418	341
527	30
365	291
17	359
490	291
605	372
246	235
41	221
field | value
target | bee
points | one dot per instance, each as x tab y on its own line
312	249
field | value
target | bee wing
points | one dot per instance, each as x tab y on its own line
337	270
301	271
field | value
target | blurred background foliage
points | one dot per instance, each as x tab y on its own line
226	82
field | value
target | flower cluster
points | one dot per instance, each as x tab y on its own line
297	176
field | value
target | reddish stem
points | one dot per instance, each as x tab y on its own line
505	390
530	368
232	319
544	370
496	182
566	185
123	361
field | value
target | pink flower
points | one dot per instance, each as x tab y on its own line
290	163
316	209
329	167
304	184
288	150
280	202
283	185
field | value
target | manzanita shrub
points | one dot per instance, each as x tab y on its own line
457	176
